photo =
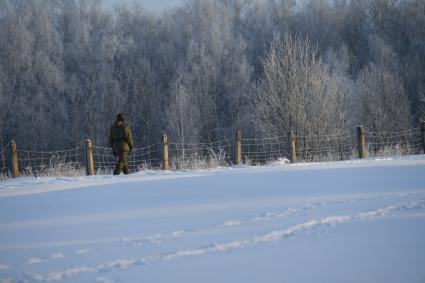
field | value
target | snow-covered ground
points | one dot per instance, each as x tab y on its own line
359	221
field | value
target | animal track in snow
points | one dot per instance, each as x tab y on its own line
138	241
329	221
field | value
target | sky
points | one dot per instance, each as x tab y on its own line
149	5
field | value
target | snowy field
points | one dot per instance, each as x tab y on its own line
358	221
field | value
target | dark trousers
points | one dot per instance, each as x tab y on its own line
122	164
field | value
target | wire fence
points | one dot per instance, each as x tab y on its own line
139	159
254	151
200	155
394	143
260	151
4	162
51	163
332	147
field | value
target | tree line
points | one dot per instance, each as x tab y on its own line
207	68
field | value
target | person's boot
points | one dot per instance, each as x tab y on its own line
117	170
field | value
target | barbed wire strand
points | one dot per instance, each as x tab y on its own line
331	147
200	155
58	162
260	151
4	161
138	159
394	143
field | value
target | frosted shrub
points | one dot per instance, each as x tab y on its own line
5	175
58	169
392	150
196	161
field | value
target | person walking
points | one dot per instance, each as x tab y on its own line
121	142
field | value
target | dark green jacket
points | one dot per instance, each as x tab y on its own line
120	138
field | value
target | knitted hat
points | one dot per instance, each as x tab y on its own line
120	117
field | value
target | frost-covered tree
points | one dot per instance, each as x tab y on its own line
298	91
184	114
217	75
31	73
214	64
384	104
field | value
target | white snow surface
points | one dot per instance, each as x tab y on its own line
354	221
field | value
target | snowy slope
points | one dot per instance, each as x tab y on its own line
361	221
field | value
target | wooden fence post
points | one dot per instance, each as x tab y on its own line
238	148
14	159
292	146
165	161
361	142
423	134
89	158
